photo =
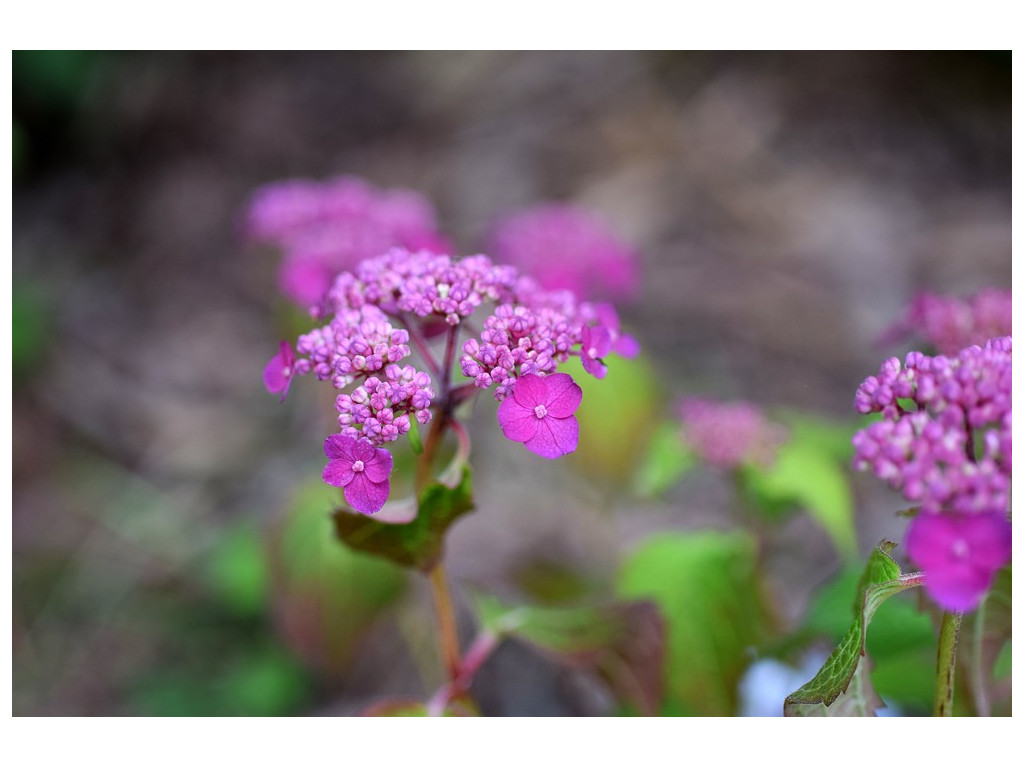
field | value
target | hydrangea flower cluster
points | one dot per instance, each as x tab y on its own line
529	332
944	442
326	227
729	435
566	247
949	324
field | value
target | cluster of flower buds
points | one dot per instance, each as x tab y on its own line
729	435
949	324
944	442
325	227
528	333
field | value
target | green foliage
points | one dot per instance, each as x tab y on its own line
806	476
880	580
237	571
261	683
416	544
706	587
622	641
616	416
666	461
985	635
30	327
326	595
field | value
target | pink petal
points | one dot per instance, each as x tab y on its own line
379	468
597	341
339	447
518	424
564	396
274	377
530	391
338	472
594	367
608	317
929	539
364	450
366	496
555	437
626	345
958	587
990	537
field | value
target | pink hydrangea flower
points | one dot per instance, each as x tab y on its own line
277	376
539	414
728	435
949	324
361	469
959	554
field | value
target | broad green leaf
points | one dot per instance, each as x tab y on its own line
237	570
985	632
832	438
616	416
805	476
666	461
415	544
325	595
622	641
880	580
706	586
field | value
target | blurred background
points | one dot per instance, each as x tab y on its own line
171	550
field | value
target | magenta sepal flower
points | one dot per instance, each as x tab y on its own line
959	554
277	376
597	342
539	413
360	469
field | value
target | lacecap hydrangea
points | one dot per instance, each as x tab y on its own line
386	306
945	442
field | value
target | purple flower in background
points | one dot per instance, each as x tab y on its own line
539	414
323	228
277	375
566	247
949	324
361	469
959	554
728	435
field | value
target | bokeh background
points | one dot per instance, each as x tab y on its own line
171	550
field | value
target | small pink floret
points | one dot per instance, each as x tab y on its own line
361	469
277	376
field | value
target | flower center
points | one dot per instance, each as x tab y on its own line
357	466
959	549
592	352
540	411
286	372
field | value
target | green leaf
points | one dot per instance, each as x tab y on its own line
415	544
622	641
706	586
616	416
666	461
326	596
805	476
237	571
880	580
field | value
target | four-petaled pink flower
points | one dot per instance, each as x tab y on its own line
361	469
597	342
539	413
277	376
959	554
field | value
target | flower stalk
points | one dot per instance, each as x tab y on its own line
949	636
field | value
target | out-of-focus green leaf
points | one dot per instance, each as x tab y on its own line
54	78
666	461
881	579
416	544
985	632
621	641
325	595
805	476
905	678
30	327
833	438
237	571
705	585
616	416
1003	667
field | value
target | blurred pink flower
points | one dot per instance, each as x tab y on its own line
959	554
539	414
277	375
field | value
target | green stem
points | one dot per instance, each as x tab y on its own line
945	672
